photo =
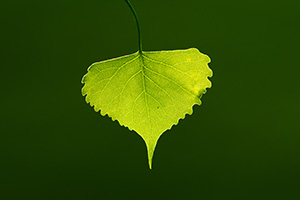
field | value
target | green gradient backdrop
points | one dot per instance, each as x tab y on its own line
242	143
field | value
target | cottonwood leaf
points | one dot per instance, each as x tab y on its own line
148	92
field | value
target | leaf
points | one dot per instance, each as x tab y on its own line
148	92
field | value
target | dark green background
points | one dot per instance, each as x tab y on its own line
242	143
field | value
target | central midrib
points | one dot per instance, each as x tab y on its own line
144	88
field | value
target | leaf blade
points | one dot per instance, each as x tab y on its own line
148	92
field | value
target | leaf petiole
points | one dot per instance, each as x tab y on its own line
137	24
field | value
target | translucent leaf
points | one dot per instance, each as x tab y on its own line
148	92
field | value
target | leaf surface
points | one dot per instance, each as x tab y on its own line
148	92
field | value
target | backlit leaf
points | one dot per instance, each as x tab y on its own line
148	92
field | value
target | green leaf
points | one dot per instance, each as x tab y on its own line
148	92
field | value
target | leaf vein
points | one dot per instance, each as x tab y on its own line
170	80
168	65
109	79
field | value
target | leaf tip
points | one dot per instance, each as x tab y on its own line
150	163
151	144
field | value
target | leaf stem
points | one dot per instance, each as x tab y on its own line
137	24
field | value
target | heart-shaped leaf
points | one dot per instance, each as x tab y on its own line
148	92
